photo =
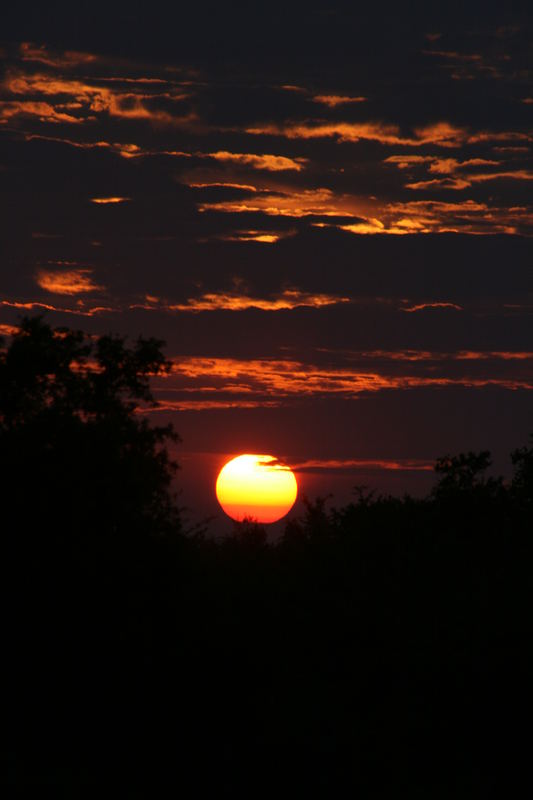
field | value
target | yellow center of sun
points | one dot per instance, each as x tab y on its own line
256	486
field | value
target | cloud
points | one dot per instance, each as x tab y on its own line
277	379
298	203
442	166
453	55
39	53
343	131
437	305
109	200
86	99
440	134
436	216
288	299
334	100
263	161
8	330
263	237
467	180
245	187
44	112
80	311
352	464
70	282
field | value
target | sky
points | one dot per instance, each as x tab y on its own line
324	210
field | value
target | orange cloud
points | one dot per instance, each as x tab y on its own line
109	200
288	299
75	281
334	100
245	187
88	99
126	150
264	161
303	203
424	306
264	237
79	312
43	111
467	180
432	216
290	87
441	183
8	330
239	383
288	378
440	134
70	58
441	166
343	131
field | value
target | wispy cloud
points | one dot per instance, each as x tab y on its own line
285	378
44	112
80	311
355	464
69	282
288	299
434	305
440	134
8	330
334	100
109	200
297	203
42	55
265	161
73	100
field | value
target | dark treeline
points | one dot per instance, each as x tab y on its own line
380	649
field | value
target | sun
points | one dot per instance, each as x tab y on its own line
256	486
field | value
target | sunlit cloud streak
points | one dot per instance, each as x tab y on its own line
228	301
334	100
70	282
80	311
109	200
8	330
85	100
438	305
41	54
352	464
265	161
290	379
262	237
44	112
440	134
467	180
296	203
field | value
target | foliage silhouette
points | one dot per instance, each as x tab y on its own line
71	439
381	648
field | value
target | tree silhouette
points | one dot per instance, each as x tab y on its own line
76	457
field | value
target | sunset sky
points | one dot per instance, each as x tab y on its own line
326	213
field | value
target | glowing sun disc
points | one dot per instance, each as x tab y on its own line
256	486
